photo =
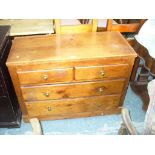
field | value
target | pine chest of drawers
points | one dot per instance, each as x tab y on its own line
67	76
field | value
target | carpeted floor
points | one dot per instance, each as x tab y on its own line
99	125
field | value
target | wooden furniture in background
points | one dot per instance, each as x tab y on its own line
139	83
145	49
124	27
10	114
128	27
101	23
21	27
67	76
61	28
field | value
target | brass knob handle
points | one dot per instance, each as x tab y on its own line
45	77
49	108
47	94
101	90
102	73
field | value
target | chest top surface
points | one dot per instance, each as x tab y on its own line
69	47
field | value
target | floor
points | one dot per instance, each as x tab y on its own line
99	125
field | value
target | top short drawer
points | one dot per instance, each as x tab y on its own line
45	76
101	72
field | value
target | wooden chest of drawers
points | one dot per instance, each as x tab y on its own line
66	76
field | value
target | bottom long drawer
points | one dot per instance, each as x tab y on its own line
73	106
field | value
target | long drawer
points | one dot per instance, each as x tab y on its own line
71	106
101	72
45	76
72	90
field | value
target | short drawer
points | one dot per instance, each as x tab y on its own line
45	76
101	72
72	106
72	90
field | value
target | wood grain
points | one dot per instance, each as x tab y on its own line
73	29
45	76
101	72
72	90
80	58
76	115
72	106
69	47
124	27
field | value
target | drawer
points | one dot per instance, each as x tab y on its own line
45	76
72	106
101	72
72	90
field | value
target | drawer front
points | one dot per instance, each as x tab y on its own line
72	90
101	72
70	106
45	76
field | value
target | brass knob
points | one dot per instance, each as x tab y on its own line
49	108
45	77
47	94
101	90
102	73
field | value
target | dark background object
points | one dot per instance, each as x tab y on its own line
10	114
